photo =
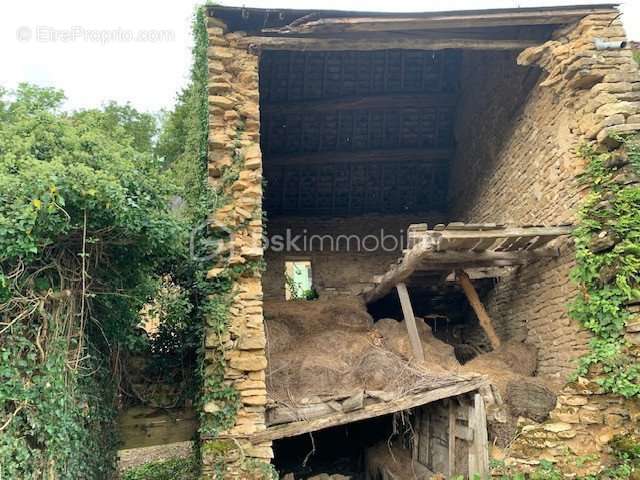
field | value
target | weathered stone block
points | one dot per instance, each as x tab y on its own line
226	103
220	53
248	361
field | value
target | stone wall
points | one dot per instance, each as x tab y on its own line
523	171
586	94
354	259
516	162
235	171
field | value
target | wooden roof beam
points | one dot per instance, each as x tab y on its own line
404	42
433	22
373	102
434	155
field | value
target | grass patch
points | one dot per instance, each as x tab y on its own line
172	469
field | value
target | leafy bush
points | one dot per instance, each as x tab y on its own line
85	225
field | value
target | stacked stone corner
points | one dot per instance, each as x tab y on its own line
234	145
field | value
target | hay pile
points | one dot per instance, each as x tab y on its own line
330	348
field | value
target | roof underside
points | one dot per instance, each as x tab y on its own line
358	108
343	131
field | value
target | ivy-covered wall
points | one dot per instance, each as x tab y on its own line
234	392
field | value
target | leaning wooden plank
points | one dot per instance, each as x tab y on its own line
474	226
478	308
410	321
369	411
284	414
406	42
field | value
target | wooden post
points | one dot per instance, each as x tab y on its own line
479	448
410	320
452	439
476	304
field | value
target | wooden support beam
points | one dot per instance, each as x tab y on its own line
435	155
399	273
374	102
478	307
479	448
377	409
451	463
469	259
437	21
410	321
380	43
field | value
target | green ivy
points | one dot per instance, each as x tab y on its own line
608	265
172	469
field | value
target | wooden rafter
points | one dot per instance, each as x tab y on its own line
436	155
374	102
447	21
381	43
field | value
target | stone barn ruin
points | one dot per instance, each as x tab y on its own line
414	176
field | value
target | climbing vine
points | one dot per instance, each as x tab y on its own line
82	201
184	146
608	265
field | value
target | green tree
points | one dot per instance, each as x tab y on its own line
85	228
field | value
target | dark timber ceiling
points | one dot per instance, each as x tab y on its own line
346	133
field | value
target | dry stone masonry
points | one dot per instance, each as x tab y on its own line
593	94
234	149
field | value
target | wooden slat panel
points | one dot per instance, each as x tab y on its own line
541	241
484	244
521	242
